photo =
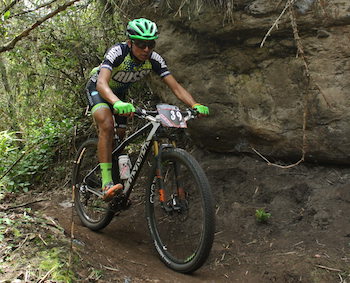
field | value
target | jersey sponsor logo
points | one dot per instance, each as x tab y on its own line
113	53
130	77
155	56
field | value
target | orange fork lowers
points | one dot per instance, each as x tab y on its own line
161	190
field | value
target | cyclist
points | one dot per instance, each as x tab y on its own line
123	64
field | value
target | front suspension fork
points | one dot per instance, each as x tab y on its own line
172	203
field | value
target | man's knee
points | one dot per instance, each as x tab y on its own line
106	126
104	120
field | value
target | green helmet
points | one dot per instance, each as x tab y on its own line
142	29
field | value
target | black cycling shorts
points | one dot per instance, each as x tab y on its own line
97	102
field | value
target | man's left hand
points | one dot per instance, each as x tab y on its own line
203	110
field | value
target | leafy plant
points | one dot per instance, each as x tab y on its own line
262	216
30	161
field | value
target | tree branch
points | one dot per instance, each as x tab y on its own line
13	3
22	205
35	9
10	45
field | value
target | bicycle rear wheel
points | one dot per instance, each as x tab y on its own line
91	209
180	214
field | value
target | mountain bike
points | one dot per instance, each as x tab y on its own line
178	200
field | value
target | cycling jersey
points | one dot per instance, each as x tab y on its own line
125	71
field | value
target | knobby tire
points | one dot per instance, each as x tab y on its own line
183	234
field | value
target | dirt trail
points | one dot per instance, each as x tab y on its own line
307	238
123	250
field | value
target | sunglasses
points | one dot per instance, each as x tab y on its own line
142	44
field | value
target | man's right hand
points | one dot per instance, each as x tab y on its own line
123	108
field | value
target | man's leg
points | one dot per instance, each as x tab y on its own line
104	119
105	124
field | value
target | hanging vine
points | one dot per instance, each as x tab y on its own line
300	54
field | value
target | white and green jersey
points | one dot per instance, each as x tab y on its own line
125	70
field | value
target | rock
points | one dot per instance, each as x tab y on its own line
323	33
261	7
321	219
304	5
257	95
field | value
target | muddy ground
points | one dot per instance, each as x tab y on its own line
306	239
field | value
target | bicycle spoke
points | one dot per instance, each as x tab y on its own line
179	233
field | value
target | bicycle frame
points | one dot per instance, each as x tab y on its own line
152	126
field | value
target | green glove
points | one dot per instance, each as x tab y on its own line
123	108
204	110
94	71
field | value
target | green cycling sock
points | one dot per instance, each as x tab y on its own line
106	171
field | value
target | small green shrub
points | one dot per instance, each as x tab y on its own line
262	216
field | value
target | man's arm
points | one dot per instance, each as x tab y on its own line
184	95
179	91
103	86
106	92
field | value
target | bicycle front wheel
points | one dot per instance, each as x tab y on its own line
180	211
91	209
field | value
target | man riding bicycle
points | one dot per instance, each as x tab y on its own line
124	64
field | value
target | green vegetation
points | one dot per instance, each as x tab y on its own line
31	245
95	274
42	114
42	81
55	262
42	106
31	156
262	216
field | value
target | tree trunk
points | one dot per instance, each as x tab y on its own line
11	113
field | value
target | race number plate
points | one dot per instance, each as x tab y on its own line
171	116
